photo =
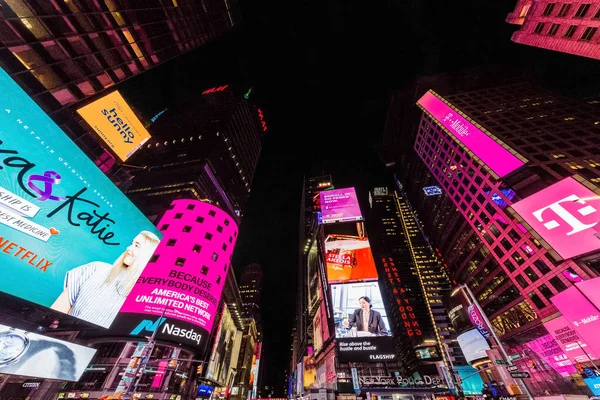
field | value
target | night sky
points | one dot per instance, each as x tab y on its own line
322	72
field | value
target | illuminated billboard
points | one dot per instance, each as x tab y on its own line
185	278
29	354
116	124
70	239
547	348
496	157
223	356
565	215
339	205
348	255
581	313
569	340
361	323
473	345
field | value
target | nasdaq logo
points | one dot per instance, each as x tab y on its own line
147	325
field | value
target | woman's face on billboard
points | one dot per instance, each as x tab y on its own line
134	249
364	304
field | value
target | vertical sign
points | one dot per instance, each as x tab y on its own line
355	381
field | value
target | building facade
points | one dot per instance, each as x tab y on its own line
251	284
565	26
64	53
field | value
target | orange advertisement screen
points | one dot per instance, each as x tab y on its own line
348	253
116	124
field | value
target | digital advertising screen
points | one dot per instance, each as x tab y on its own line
339	205
222	351
116	124
70	239
473	345
569	340
565	215
498	158
348	254
29	354
547	348
361	324
471	380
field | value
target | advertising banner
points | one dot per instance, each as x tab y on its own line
591	289
478	321
222	352
348	255
563	216
29	354
473	345
361	323
495	155
457	303
547	348
339	205
569	340
582	314
116	124
70	239
471	380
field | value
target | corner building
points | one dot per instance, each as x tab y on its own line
65	52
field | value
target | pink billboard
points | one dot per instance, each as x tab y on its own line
564	216
339	205
185	277
583	316
495	156
569	340
549	350
591	289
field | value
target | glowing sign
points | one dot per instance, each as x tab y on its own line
565	215
340	205
215	89
116	124
262	120
569	340
497	157
432	190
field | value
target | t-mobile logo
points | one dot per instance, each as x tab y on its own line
572	220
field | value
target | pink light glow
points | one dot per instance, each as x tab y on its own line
569	340
491	153
339	205
191	265
547	348
562	218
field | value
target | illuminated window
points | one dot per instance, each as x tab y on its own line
204	270
197	248
531	275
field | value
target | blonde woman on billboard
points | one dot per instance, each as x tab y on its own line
96	291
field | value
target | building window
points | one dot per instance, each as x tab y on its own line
219	228
541	266
558	284
545	291
178	215
531	275
226	222
494	230
208	236
191	206
224	247
597	15
549	8
564	9
553	29
536	300
539	27
218	279
180	261
517	257
509	266
200	219
521	281
187	229
582	10
164	227
154	258
197	248
212	213
570	31
215	257
506	244
589	33
204	270
171	242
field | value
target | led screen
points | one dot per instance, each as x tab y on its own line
473	345
471	381
569	340
361	323
29	354
222	351
185	278
339	205
70	239
581	313
547	348
565	215
348	253
492	154
116	124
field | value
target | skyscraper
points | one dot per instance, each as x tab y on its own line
251	284
467	195
558	25
206	149
64	52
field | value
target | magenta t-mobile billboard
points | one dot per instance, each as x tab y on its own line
565	215
496	157
182	284
339	205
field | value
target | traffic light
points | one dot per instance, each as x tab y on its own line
532	364
200	369
579	367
